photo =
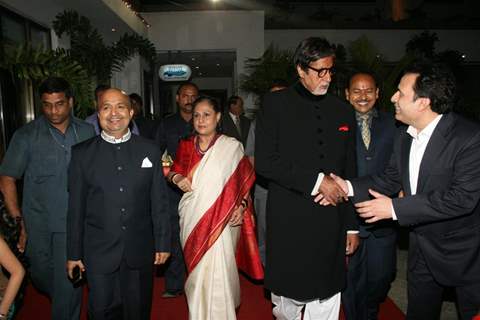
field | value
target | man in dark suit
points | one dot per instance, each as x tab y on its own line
147	128
372	268
118	224
169	133
234	123
435	161
303	134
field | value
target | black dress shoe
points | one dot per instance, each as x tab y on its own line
168	294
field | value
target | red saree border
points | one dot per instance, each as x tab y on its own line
214	220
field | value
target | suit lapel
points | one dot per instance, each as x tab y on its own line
435	146
404	162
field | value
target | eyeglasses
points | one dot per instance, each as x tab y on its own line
323	71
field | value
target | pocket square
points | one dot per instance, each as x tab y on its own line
344	128
146	163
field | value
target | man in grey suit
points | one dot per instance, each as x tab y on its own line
435	161
40	153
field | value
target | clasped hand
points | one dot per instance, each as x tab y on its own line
379	208
331	192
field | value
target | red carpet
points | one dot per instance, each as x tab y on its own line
254	305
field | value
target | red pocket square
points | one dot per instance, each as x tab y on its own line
344	128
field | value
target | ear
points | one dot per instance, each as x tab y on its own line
301	72
376	93
70	102
347	94
219	116
424	103
131	112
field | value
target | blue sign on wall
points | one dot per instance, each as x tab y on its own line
174	72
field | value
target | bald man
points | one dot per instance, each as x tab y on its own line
118	224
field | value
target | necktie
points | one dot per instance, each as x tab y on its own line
237	124
365	130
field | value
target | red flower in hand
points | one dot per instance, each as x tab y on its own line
344	127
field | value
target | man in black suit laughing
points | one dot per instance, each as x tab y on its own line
436	162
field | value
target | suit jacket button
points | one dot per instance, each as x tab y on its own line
368	158
121	189
123	209
319	117
119	168
320	142
118	148
124	228
321	156
319	130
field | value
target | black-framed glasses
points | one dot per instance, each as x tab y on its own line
323	71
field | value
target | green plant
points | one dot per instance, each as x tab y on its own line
87	42
262	72
25	62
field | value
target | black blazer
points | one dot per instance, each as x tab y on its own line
229	128
444	214
117	208
298	135
374	160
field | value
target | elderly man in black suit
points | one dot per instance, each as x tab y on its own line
436	162
234	123
372	268
118	223
303	134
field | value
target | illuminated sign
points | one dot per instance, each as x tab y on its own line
174	72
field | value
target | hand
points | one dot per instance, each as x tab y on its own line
330	193
237	216
353	240
183	183
377	209
71	264
161	257
22	239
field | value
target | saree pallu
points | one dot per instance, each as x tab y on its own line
220	180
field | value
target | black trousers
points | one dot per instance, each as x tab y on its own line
370	271
124	294
425	295
175	269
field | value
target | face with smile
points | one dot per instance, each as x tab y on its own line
114	112
407	107
56	107
205	119
362	92
311	81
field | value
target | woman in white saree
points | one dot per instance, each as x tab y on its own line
216	177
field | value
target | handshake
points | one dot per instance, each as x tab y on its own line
332	190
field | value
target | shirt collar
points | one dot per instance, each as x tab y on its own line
427	132
113	140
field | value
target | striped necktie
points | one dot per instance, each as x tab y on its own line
365	130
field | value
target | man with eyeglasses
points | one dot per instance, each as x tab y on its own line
304	134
